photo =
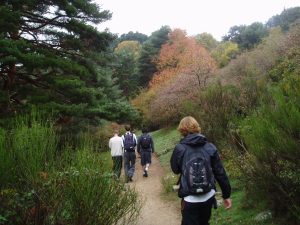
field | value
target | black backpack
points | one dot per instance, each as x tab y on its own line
129	142
197	176
145	141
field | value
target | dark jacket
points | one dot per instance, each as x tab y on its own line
139	146
196	141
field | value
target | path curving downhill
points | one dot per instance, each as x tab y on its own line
155	210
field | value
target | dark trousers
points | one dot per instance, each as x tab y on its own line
117	165
196	213
129	164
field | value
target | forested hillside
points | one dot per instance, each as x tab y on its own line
65	85
52	57
244	91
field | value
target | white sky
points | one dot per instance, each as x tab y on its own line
193	16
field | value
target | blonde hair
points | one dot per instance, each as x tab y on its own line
188	125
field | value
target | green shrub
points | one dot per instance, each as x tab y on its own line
272	138
105	132
33	146
230	160
73	186
29	155
214	109
84	193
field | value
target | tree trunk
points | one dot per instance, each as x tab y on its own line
10	77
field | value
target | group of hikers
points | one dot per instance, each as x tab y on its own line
194	158
125	147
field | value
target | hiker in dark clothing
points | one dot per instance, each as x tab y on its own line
199	165
129	143
145	147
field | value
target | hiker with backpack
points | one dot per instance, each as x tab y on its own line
129	143
145	148
116	149
199	165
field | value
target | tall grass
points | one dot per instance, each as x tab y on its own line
85	193
33	146
5	161
70	186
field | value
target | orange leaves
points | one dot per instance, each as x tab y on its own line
182	55
162	77
170	52
183	67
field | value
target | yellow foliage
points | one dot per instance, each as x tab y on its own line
133	47
143	101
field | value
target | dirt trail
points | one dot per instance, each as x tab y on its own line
155	211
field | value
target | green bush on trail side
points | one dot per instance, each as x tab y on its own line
48	187
272	136
91	194
214	108
241	213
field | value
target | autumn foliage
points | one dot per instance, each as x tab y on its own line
184	67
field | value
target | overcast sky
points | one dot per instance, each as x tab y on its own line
193	16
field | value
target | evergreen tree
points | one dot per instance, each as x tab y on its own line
287	17
125	68
130	36
207	40
51	55
247	37
150	50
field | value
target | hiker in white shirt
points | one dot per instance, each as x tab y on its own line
116	148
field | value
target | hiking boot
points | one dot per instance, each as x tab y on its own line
145	173
130	179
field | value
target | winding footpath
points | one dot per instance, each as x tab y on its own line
155	211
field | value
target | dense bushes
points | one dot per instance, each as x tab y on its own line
46	186
214	108
272	137
274	142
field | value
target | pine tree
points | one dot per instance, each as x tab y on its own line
149	52
52	55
